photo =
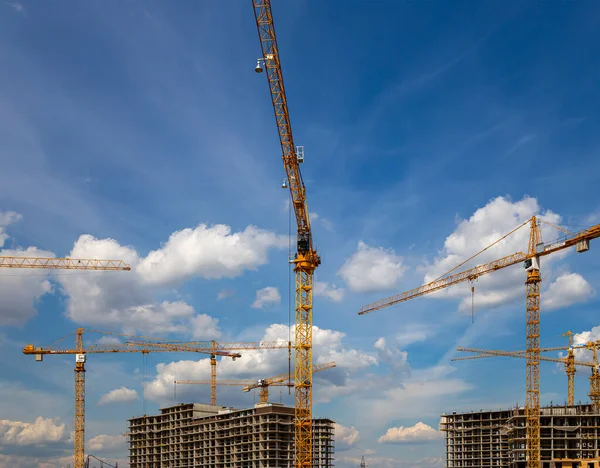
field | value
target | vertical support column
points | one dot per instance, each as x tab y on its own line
303	365
213	379
532	407
79	436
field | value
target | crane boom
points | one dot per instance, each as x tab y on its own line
270	54
480	270
307	259
137	347
63	263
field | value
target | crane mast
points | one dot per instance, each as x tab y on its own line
306	259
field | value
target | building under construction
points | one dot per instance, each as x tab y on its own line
570	438
193	435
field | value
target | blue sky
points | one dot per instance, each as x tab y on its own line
430	129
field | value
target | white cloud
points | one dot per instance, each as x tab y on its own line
266	297
488	224
393	357
7	218
106	443
118	395
327	346
109	340
17	6
20	289
211	252
122	300
225	293
205	327
326	223
414	333
419	433
330	291
40	432
345	437
372	269
126	300
567	289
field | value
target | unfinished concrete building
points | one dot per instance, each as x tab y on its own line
198	435
569	438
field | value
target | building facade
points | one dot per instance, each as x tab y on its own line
198	435
570	437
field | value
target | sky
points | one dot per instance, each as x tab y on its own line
138	130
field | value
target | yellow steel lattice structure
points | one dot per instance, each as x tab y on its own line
80	353
263	384
63	263
531	262
307	259
569	362
230	346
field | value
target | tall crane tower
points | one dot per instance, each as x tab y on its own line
264	384
531	263
306	259
80	352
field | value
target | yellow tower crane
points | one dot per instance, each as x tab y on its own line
569	362
282	380
80	352
531	263
306	259
231	346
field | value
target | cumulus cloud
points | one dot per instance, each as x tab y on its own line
40	432
327	346
123	300
393	357
118	395
488	224
417	434
127	300
266	297
20	289
210	252
7	218
106	443
372	269
345	437
205	327
567	289
330	291
224	294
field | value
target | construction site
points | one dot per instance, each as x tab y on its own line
273	435
192	435
569	436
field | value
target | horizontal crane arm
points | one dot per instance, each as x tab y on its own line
237	383
480	270
442	283
129	348
63	263
518	354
